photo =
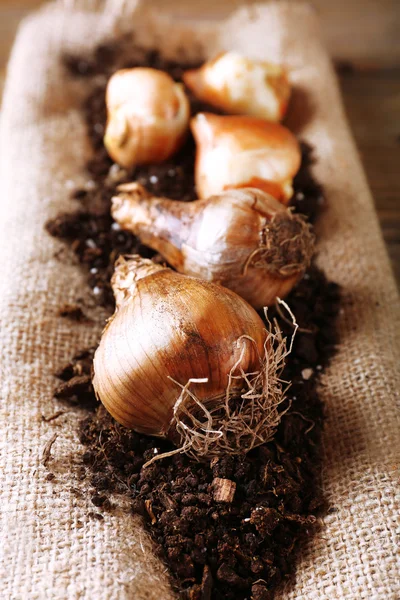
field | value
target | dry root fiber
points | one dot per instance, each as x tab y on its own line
236	423
286	246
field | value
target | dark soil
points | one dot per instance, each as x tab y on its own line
238	549
73	312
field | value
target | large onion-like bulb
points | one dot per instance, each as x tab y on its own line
243	239
241	86
187	360
147	116
235	152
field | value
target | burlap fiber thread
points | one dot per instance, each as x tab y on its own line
50	548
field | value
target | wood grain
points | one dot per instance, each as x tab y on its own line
363	36
372	101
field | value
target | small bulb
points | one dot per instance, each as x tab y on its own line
236	152
241	86
148	116
243	239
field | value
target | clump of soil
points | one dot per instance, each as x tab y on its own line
73	312
228	529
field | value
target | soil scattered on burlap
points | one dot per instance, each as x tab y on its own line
229	529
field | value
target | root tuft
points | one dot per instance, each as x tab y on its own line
236	422
286	246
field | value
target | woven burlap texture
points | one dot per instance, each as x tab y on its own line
50	547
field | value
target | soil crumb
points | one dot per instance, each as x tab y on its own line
73	312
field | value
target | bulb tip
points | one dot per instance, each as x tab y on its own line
128	271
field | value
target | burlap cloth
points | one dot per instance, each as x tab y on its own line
50	547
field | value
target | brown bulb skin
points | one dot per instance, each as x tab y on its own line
239	85
171	327
242	239
147	116
242	151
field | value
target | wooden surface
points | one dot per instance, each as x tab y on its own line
361	35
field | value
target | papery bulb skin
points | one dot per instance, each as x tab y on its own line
237	151
241	86
167	330
147	116
242	239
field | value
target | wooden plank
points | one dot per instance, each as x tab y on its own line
372	101
11	13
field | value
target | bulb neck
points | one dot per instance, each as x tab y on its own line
160	223
128	271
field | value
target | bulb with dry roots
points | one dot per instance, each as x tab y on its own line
236	152
188	360
147	116
243	239
241	86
